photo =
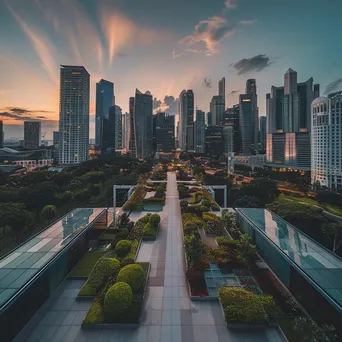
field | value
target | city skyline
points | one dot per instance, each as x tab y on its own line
232	39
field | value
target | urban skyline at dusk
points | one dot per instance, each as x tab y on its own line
159	47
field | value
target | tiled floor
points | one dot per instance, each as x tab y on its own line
168	314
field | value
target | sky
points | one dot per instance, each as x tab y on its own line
162	47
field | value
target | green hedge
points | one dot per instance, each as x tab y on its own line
95	314
155	220
132	275
195	198
123	247
150	230
117	300
103	269
241	306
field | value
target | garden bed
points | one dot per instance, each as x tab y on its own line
86	264
95	318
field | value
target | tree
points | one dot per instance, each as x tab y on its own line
229	223
310	331
16	217
49	212
247	202
333	231
246	252
193	247
264	189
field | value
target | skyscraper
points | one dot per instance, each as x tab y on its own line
222	88
263	133
1	134
131	128
228	142
232	120
186	120
74	114
125	128
32	134
214	141
164	132
209	119
141	125
118	127
200	131
108	131
104	100
247	124
217	109
326	141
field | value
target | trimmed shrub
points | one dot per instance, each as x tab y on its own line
210	217
160	188
206	203
117	300
123	233
149	230
127	261
188	217
123	247
195	198
103	269
204	209
145	219
215	207
190	228
95	314
241	306
270	306
154	220
132	275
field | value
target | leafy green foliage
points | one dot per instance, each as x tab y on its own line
95	314
132	275
195	198
215	207
248	202
150	230
117	300
246	253
49	212
270	306
241	306
154	220
190	228
193	246
145	219
103	269
212	224
86	264
123	247
206	203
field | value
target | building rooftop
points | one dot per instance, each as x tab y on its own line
320	266
23	264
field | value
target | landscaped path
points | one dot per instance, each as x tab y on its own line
168	314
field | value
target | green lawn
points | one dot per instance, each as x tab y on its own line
327	207
84	267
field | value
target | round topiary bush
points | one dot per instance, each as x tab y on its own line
127	261
155	220
132	275
103	269
123	247
117	300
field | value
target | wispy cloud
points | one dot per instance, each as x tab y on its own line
233	92
256	64
21	114
207	82
334	86
40	44
209	33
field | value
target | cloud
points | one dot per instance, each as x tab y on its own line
230	4
334	86
233	92
247	22
42	46
207	82
156	103
21	114
171	104
206	37
256	63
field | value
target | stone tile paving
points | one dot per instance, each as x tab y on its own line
168	314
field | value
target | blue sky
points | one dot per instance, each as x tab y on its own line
161	46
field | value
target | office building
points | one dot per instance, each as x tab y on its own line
108	136
125	131
222	88
232	120
74	114
32	134
141	125
186	120
55	137
288	116
228	134
262	134
247	125
1	134
209	119
131	128
310	272
217	109
104	100
164	132
200	131
118	127
288	108
214	141
326	142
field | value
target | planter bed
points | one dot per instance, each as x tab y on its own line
151	237
129	319
86	264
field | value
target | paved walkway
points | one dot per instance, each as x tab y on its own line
168	314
